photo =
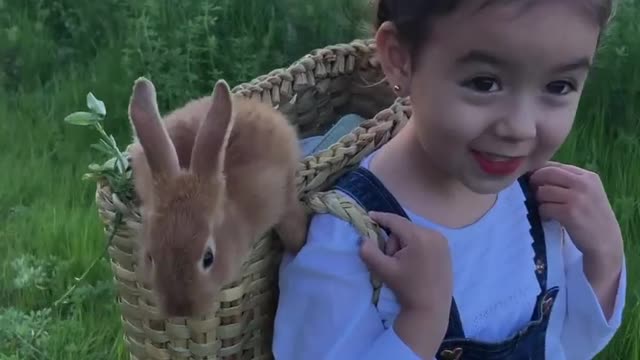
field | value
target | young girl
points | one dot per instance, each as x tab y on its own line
536	266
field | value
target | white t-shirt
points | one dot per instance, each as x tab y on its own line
325	309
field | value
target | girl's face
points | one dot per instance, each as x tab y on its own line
495	90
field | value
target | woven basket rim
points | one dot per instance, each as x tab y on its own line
305	63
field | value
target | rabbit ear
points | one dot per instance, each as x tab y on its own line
207	158
146	120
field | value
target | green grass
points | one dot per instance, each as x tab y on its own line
52	55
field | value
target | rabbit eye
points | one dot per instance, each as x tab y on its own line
207	260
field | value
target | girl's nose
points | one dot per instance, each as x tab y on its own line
519	123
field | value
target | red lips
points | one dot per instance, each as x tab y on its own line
500	167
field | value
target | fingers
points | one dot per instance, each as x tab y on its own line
403	230
547	164
553	194
554	175
378	263
392	245
552	211
572	168
396	224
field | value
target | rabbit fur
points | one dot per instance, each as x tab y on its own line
211	178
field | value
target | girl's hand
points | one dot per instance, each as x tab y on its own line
416	266
577	200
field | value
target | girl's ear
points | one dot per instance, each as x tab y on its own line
395	58
207	157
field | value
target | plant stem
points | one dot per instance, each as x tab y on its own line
110	140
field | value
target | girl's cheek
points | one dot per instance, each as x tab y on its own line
554	129
464	123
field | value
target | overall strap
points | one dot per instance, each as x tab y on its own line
538	244
369	192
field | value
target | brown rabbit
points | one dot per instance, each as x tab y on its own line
214	178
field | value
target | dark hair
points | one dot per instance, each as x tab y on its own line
412	18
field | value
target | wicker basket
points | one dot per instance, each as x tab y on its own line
314	92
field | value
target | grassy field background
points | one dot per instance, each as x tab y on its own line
53	52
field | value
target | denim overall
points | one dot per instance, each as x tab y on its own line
529	342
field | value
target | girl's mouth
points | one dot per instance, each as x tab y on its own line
495	164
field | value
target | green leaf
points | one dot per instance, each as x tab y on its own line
82	118
96	105
102	148
106	145
110	164
95	167
90	177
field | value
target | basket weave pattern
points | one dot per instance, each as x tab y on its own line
313	93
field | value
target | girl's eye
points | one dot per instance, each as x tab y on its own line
560	87
483	84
